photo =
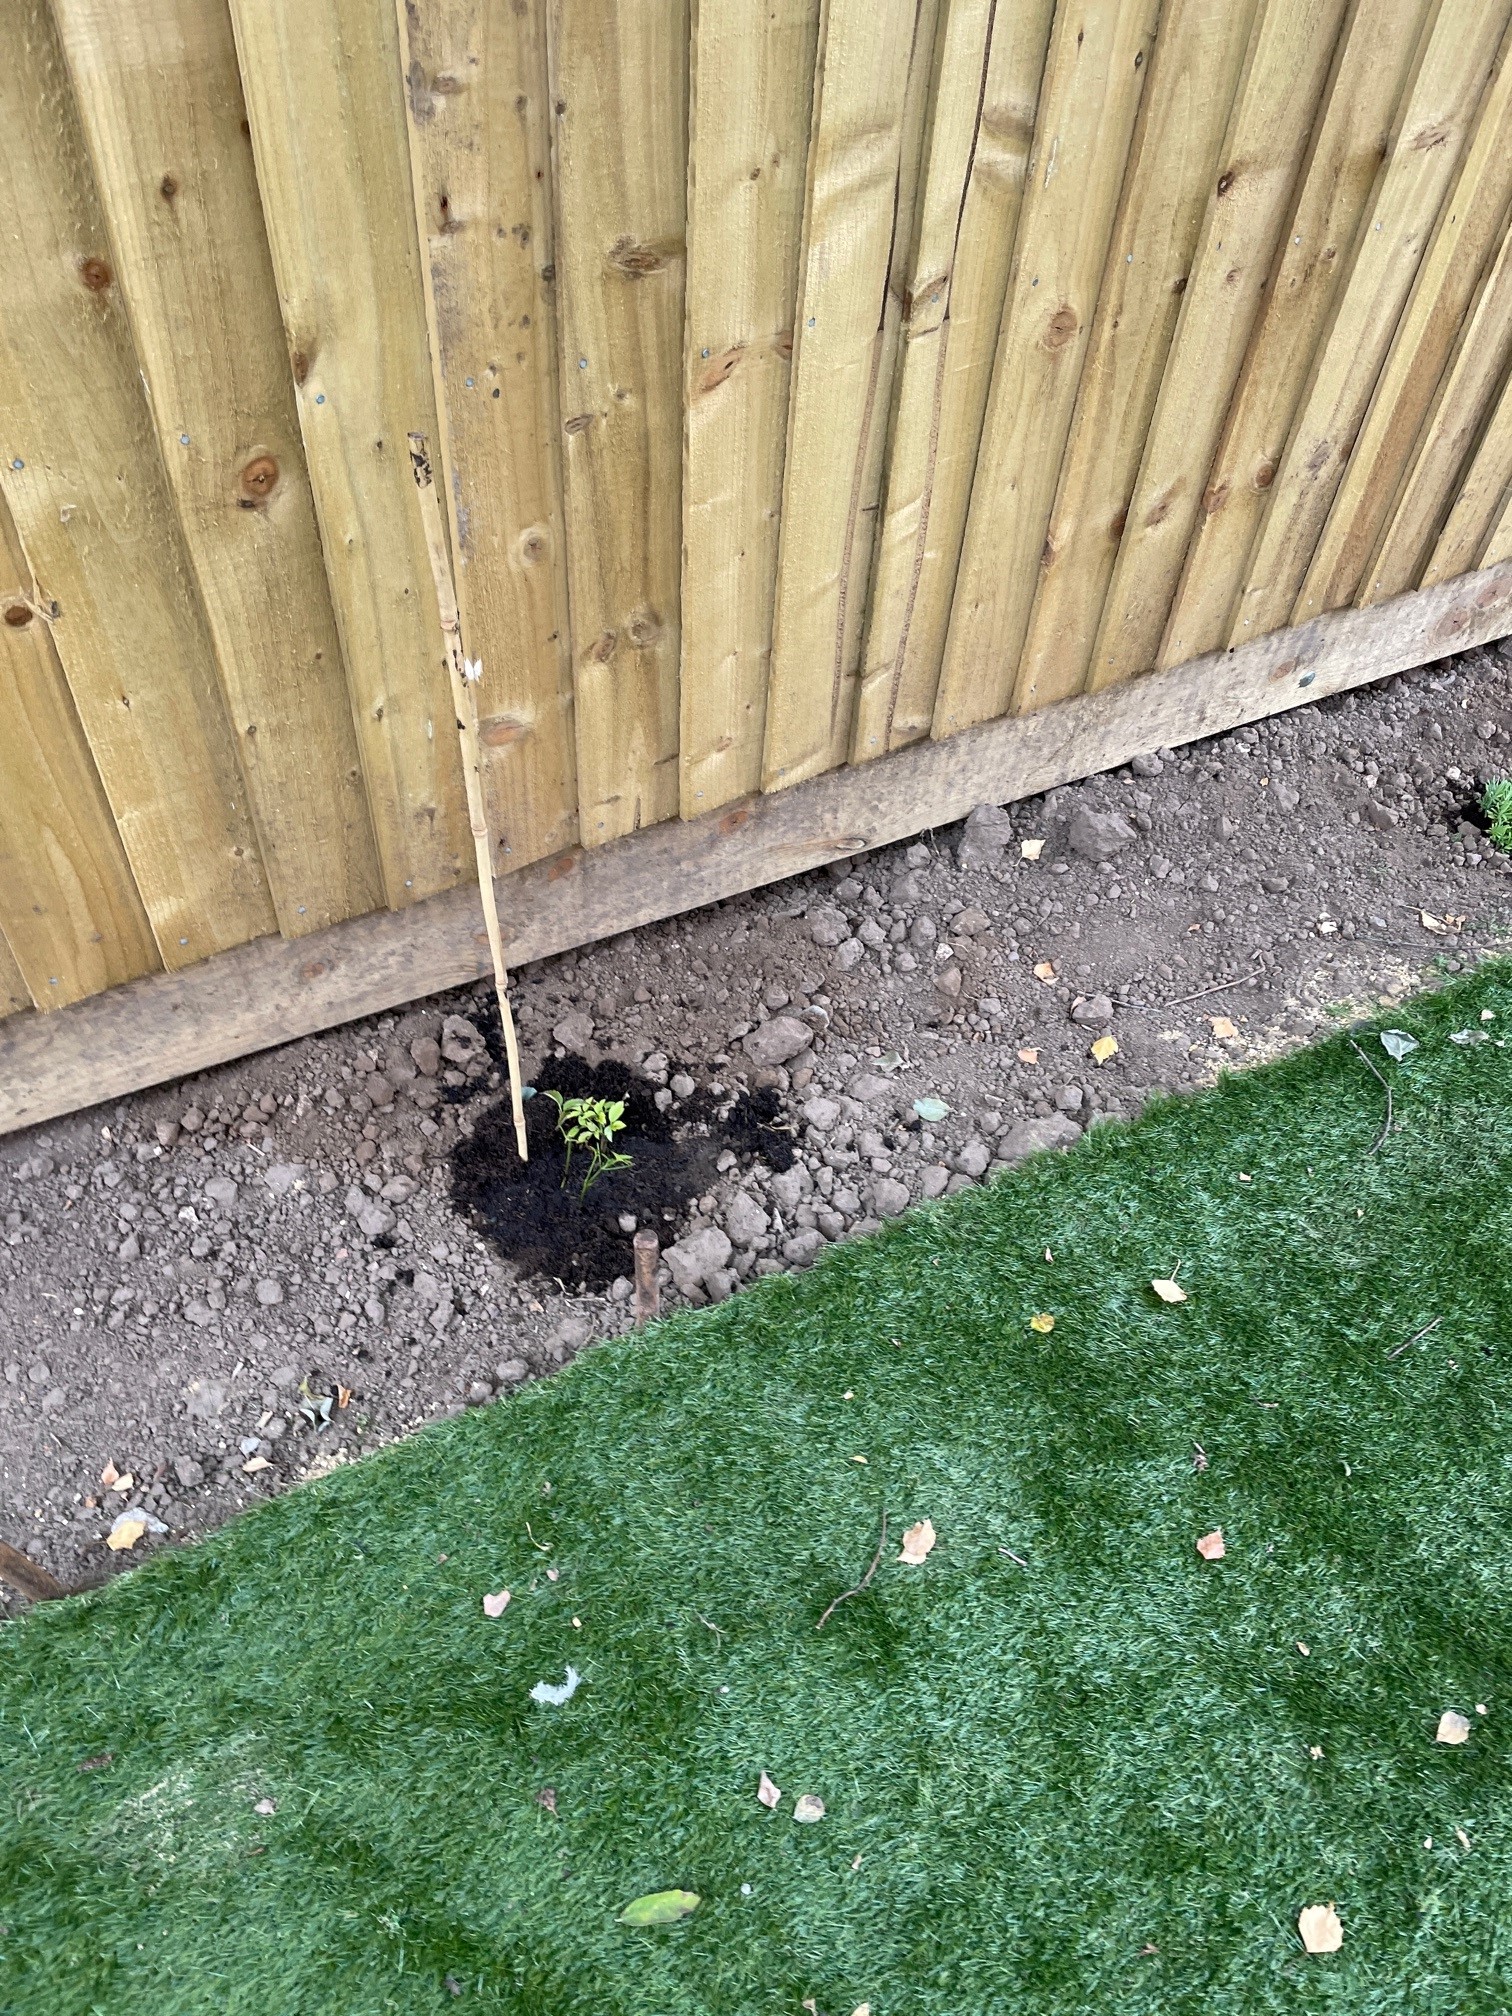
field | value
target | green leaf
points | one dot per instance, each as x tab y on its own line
931	1109
660	1907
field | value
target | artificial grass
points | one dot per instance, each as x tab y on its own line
1106	1780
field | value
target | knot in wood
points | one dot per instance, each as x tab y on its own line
95	274
1061	327
259	477
644	629
634	261
18	614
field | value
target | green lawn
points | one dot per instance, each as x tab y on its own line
1106	1780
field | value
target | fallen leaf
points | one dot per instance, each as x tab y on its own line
808	1808
862	2009
768	1793
1028	1056
1304	1650
858	1459
1044	971
1320	1928
1199	1458
1104	1048
1462	1837
931	1109
1169	1291
126	1532
255	1463
266	1806
547	1797
1043	1323
1221	1026
1211	1546
1031	850
124	1484
553	1574
1431	923
1397	1043
343	1396
1315	1750
104	1758
109	1475
553	1697
1453	1727
660	1907
917	1542
497	1604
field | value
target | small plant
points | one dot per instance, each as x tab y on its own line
1496	803
591	1124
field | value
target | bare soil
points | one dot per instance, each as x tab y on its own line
217	1288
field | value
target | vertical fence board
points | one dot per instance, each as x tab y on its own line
1185	111
68	905
79	468
619	100
329	141
1098	61
751	78
1352	140
13	991
1465	410
1437	115
871	56
1484	493
161	106
991	62
1464	243
1285	74
479	137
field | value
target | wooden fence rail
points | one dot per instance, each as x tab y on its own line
811	379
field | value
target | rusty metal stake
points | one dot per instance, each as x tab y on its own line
647	1287
24	1574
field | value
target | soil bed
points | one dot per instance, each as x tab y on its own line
536	1213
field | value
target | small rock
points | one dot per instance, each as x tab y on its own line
221	1190
867	1087
1096	1011
682	1086
479	1393
850	955
1382	817
191	1119
54	1400
1287	796
188	1472
282	1177
821	1114
803	1248
970	923
1069	1098
790	1187
694	1258
1097	836
1029	1137
130	1248
745	1221
168	1132
829	926
721	1284
1146	766
511	1372
269	1293
947	979
777	1041
889	1197
575	1030
374	1218
973	1158
205	1399
933	1178
461	1042
425	1053
987	832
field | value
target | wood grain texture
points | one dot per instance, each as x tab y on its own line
1284	77
1094	75
751	80
14	997
871	86
272	992
1174	162
161	106
992	57
1464	245
1351	139
68	905
85	487
1483	495
1499	545
619	90
1433	126
1462	432
329	141
479	137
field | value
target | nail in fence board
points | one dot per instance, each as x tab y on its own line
161	106
479	140
751	81
619	157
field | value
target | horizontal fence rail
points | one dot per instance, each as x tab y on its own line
808	381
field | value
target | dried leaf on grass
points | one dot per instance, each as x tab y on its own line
1320	1928
1044	1323
768	1793
1104	1048
808	1808
496	1604
1211	1546
1169	1291
917	1542
660	1907
1453	1727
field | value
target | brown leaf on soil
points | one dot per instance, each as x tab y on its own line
1453	1727
768	1793
125	1533
1044	971
1028	1056
1221	1026
1104	1048
917	1542
1211	1546
1320	1928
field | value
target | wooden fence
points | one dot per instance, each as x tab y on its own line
847	410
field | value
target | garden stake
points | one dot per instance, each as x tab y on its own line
647	1288
464	676
24	1574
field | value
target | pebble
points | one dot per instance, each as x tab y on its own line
828	926
1029	1137
697	1256
745	1221
1097	836
1095	1012
889	1197
269	1293
777	1041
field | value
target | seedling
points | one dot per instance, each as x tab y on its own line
591	1124
1496	803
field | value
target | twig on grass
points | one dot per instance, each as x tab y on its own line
464	674
846	1595
1397	1349
1385	1085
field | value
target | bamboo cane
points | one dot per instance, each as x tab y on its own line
465	673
